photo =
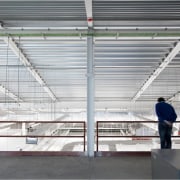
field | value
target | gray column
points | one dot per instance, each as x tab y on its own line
90	97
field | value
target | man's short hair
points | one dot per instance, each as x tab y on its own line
160	99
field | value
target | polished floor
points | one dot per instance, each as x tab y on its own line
71	167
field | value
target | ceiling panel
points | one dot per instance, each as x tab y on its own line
130	41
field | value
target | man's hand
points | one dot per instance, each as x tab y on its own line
168	122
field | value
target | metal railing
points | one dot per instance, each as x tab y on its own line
126	129
77	129
43	129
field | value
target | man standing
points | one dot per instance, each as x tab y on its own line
166	116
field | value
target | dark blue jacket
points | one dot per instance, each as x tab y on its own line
165	111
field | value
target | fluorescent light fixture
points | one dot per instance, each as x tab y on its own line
156	73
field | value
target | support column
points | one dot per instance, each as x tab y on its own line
90	97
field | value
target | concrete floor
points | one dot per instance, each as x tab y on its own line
69	167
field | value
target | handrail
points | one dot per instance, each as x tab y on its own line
50	136
124	136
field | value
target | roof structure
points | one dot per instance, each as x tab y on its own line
43	54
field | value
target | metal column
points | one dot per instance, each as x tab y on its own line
90	97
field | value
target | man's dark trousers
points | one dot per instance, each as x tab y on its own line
165	132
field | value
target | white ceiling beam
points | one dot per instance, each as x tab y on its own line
88	6
156	73
29	66
9	94
175	97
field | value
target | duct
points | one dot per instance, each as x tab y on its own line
96	33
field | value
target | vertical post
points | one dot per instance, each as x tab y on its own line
84	126
97	136
23	128
90	96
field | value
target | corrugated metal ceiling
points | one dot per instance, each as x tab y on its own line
131	40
